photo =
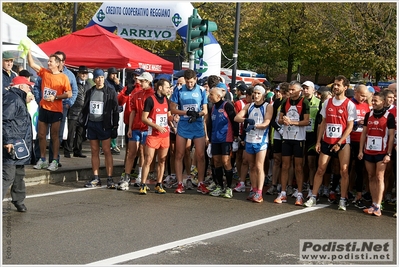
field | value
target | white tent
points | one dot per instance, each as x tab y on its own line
12	32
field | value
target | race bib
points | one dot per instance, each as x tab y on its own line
188	107
47	92
309	127
161	120
96	107
292	132
334	130
374	143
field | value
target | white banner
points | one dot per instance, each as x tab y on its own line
141	33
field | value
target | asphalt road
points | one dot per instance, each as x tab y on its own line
67	224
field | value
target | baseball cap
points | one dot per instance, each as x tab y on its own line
25	73
112	70
221	85
308	84
145	76
242	87
377	88
83	69
21	80
98	73
138	71
7	55
371	89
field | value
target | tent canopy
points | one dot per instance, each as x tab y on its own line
12	31
96	47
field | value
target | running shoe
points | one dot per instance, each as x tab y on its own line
194	172
299	200
342	204
211	187
110	184
360	204
311	202
53	166
137	182
159	190
41	164
251	195
377	212
217	192
123	185
239	187
280	199
228	193
332	198
170	180
369	210
189	184
143	189
202	189
180	188
93	183
257	198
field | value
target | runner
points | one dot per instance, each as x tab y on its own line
375	147
332	138
258	116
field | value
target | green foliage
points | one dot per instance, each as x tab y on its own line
274	38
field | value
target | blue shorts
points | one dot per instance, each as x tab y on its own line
139	136
190	130
95	131
253	148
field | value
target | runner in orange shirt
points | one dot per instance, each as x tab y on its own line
55	87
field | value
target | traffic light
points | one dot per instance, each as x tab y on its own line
197	34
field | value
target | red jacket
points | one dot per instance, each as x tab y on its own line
125	99
137	104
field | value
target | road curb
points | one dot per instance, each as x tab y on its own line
37	177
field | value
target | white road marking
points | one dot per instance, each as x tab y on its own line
167	246
58	192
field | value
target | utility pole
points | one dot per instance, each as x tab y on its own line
235	53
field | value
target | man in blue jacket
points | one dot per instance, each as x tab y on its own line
17	139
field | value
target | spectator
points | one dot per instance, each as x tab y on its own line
76	132
113	82
17	130
8	74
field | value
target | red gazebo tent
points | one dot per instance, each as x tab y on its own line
95	47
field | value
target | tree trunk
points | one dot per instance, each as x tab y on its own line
290	66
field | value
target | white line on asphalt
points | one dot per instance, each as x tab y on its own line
167	246
58	192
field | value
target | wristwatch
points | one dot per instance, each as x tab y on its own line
389	154
56	97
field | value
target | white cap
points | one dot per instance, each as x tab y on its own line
145	76
308	84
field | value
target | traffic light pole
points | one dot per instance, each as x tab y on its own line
235	54
191	61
